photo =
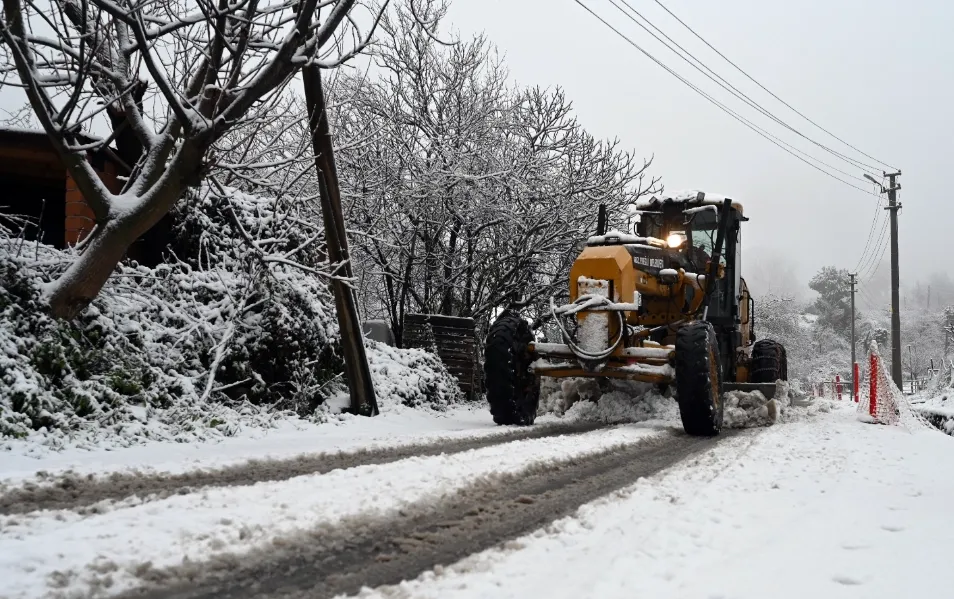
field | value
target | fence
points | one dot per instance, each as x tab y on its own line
842	389
836	388
454	340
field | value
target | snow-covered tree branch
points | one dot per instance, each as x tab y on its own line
173	78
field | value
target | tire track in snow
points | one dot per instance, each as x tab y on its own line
84	492
64	553
368	553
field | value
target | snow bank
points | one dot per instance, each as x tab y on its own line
936	403
216	341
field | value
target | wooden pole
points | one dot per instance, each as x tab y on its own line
363	401
893	207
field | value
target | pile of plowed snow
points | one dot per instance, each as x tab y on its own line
618	401
746	409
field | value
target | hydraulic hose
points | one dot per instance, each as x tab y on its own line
581	303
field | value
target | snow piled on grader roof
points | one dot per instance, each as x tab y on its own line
691	195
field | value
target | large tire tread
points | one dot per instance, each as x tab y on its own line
512	390
769	362
699	379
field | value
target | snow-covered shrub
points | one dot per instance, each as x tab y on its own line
411	377
65	375
229	332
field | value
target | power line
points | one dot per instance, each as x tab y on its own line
729	87
768	91
866	260
875	266
872	304
873	259
718	104
874	222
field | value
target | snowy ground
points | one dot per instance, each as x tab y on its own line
108	547
291	437
111	548
826	507
820	503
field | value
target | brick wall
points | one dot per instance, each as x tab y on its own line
79	216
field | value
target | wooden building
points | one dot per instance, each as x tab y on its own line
34	183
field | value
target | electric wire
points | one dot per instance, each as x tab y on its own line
873	267
868	264
876	266
729	87
718	104
874	221
877	250
869	302
768	91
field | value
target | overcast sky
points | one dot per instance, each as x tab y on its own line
877	73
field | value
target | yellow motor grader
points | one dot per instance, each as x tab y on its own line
666	305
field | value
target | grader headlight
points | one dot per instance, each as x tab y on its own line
676	239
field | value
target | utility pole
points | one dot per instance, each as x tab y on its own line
853	281
893	207
363	401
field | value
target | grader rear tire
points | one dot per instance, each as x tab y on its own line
769	362
699	379
512	390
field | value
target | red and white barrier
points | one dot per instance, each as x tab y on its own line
884	404
855	380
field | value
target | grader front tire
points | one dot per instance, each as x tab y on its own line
698	379
512	390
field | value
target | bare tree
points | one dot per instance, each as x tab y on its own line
463	193
173	77
470	194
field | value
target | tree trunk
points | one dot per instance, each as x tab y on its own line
81	283
450	259
84	279
352	341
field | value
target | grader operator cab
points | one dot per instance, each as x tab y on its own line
667	305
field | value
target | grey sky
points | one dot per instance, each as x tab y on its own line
877	73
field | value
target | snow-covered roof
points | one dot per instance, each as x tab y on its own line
86	137
691	196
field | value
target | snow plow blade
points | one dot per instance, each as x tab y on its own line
767	389
650	364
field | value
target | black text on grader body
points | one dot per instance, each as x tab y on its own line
641	309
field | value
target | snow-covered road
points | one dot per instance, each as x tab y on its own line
829	507
818	504
116	545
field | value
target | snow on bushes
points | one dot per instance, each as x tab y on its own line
230	333
411	377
